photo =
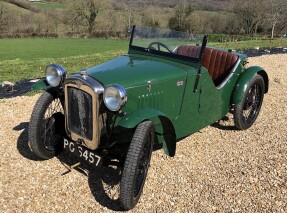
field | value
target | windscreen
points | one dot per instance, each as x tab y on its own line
167	41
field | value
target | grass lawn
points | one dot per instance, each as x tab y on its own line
251	44
27	58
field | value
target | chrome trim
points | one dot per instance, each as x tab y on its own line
97	125
61	73
122	93
94	88
220	86
91	82
83	72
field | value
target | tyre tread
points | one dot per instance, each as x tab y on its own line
130	165
35	132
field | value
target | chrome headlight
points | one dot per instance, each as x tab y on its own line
115	97
55	75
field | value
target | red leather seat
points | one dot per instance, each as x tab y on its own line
219	63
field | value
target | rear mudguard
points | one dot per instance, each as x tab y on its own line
164	128
243	80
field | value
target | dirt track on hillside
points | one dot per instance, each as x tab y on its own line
216	169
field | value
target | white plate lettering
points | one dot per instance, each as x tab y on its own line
83	153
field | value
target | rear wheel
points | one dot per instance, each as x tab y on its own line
47	126
136	165
246	112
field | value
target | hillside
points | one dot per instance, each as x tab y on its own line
61	18
199	4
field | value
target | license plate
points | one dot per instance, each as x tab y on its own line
82	152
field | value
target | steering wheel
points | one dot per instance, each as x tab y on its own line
159	44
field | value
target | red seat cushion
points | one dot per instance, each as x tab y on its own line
219	63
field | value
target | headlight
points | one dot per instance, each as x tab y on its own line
55	75
115	97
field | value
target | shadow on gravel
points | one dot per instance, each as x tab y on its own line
218	125
17	89
22	142
104	185
103	181
222	127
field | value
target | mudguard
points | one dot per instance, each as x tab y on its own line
40	85
243	80
162	123
133	119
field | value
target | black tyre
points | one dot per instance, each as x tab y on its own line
136	165
47	126
246	112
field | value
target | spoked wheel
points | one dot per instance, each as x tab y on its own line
136	165
47	126
247	111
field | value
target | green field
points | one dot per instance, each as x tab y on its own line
251	44
27	58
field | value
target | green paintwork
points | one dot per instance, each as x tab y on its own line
205	106
134	70
40	85
242	83
134	118
159	120
161	89
184	110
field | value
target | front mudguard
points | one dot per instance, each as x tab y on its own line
165	131
243	81
40	85
43	85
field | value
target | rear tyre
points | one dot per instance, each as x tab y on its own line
246	112
136	165
46	127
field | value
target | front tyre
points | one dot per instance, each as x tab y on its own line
246	112
136	165
46	126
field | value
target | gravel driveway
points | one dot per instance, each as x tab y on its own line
217	169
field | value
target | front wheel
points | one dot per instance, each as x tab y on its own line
136	165
46	126
246	112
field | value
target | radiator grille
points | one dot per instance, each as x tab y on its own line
80	109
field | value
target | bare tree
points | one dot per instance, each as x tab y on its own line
3	18
87	11
250	14
275	13
179	20
151	17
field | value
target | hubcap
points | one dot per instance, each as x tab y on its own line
252	103
49	134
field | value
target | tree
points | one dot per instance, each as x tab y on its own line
150	17
3	18
195	23
249	13
275	13
179	20
87	11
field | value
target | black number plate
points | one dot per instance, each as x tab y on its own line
82	152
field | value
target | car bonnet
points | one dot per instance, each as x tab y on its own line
130	71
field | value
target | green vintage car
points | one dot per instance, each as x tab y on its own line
168	86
